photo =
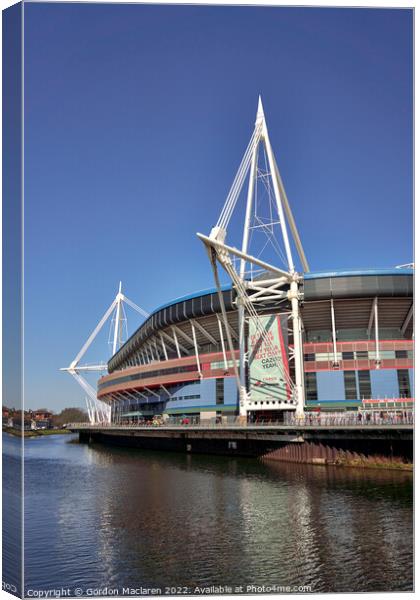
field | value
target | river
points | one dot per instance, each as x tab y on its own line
106	518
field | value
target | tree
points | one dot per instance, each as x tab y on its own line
69	415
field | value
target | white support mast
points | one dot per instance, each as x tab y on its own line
245	243
118	323
284	282
99	411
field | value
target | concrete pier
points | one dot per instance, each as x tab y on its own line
311	444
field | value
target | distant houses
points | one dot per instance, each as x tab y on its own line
7	417
41	418
20	422
28	419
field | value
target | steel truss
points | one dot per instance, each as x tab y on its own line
253	293
99	411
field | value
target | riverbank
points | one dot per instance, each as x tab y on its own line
35	432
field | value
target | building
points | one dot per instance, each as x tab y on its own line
277	340
22	420
357	352
42	418
7	417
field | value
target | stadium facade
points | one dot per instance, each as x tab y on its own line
357	352
276	341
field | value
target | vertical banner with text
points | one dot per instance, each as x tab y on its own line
268	360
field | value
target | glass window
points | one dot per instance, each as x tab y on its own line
350	385
326	356
404	383
310	357
322	356
401	354
389	333
348	355
311	390
319	336
345	335
220	389
365	388
221	364
147	375
384	354
387	354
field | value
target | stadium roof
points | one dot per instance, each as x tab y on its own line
306	276
352	292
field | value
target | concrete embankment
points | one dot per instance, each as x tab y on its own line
386	446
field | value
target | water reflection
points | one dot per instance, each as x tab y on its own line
12	512
103	516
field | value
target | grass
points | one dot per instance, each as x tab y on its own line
34	432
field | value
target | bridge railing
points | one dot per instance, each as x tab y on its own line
356	420
307	421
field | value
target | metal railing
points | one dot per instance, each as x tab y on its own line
360	419
309	421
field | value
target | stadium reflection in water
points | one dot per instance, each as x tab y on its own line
99	516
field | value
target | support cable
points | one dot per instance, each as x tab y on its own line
239	179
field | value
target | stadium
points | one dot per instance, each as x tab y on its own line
177	362
273	341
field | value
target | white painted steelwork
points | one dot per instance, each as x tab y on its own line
377	354
197	356
407	320
251	292
162	341
222	341
334	334
99	411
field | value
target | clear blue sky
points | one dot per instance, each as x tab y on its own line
136	120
